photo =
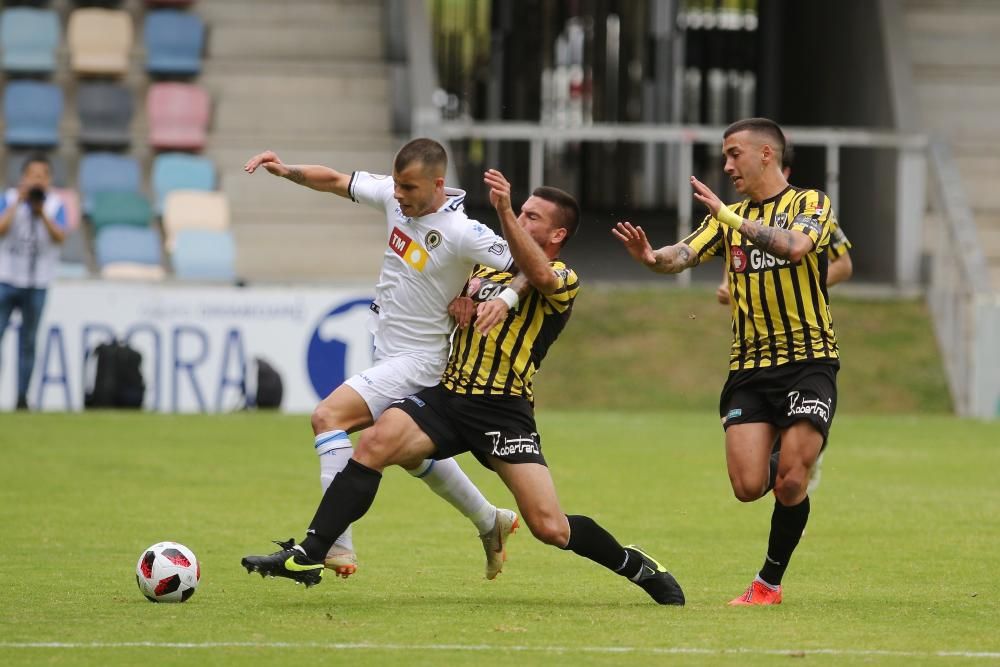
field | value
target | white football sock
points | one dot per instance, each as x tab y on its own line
334	451
449	481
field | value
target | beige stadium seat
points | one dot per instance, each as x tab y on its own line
193	209
99	41
132	271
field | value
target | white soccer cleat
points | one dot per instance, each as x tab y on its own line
341	560
495	541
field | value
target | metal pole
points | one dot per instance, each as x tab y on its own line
833	173
536	164
684	171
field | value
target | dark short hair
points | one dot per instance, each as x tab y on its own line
35	158
764	126
427	152
569	210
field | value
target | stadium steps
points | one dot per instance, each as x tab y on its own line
307	79
956	72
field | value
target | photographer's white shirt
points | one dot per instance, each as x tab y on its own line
28	255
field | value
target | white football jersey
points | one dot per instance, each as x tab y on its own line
426	264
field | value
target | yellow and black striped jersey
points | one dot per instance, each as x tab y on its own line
781	311
504	361
839	243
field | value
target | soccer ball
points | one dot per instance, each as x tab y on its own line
167	572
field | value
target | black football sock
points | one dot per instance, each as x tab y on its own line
588	539
346	500
787	524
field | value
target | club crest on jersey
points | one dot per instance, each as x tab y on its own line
781	220
412	252
739	259
432	239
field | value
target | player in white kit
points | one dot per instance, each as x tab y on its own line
432	247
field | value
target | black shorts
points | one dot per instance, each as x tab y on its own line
782	395
498	426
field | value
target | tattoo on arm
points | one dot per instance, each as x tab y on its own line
296	175
777	242
675	259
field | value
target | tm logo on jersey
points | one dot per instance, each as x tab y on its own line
412	252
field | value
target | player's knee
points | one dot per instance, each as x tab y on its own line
375	448
548	527
790	487
323	419
748	489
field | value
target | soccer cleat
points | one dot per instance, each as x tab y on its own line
290	563
655	580
341	560
495	541
757	594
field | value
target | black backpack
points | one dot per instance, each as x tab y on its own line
115	373
263	387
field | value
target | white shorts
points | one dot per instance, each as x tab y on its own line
394	378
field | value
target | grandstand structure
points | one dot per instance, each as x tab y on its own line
149	109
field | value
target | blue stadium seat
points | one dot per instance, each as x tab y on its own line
29	38
174	42
105	111
137	245
114	209
106	172
32	110
180	171
200	254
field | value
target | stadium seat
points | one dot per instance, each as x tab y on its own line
120	209
127	244
201	254
15	163
178	116
29	37
99	41
105	111
107	172
189	209
32	110
132	271
174	42
169	3
180	171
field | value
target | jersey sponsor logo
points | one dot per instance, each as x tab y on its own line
809	406
432	239
412	252
481	289
498	248
739	259
512	446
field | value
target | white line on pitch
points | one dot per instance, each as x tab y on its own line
652	650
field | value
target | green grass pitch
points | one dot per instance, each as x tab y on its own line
899	564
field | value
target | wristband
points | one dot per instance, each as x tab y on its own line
508	296
727	217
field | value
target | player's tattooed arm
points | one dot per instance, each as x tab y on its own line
674	258
520	285
295	175
783	243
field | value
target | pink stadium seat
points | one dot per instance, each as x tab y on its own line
71	200
178	116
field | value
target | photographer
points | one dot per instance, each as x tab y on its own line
32	225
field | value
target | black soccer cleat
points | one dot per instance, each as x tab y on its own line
655	580
289	563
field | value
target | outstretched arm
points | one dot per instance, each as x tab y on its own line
784	243
314	176
668	259
528	255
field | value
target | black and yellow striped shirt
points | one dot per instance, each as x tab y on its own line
781	311
504	361
839	243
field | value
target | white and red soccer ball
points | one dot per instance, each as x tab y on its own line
167	572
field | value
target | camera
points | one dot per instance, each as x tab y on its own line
36	195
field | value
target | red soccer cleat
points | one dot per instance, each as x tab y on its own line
757	594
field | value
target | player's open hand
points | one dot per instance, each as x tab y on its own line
704	194
499	190
462	308
269	160
635	241
722	293
489	314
